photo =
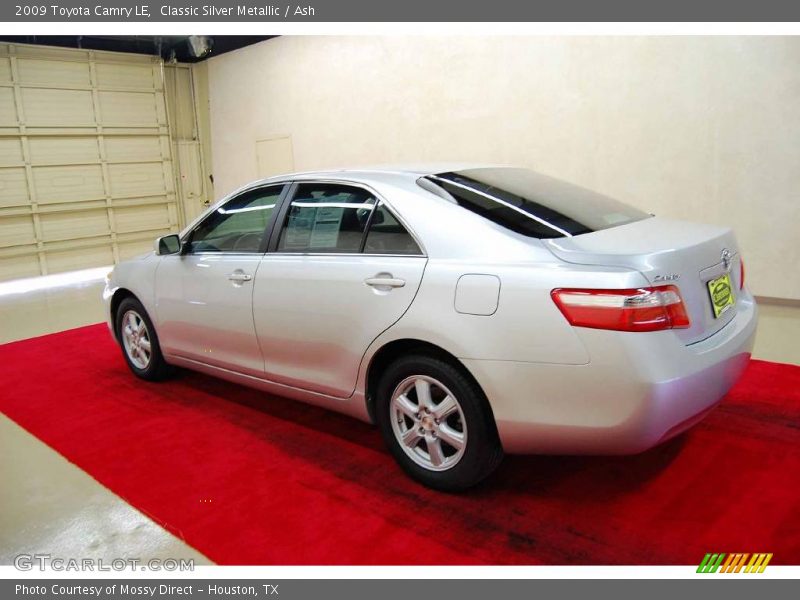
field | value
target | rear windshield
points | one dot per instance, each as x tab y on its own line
534	205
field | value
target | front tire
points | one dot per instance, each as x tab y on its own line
437	423
139	342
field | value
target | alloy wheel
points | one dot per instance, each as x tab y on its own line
136	339
428	423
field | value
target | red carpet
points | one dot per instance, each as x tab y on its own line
251	479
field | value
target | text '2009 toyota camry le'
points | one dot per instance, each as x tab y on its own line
468	312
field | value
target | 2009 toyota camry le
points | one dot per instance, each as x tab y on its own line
467	311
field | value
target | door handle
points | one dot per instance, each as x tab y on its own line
385	282
239	276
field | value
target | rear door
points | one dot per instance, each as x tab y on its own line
341	270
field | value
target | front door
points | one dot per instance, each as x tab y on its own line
344	270
205	295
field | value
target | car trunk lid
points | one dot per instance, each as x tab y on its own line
666	252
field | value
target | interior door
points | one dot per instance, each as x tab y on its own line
204	296
342	272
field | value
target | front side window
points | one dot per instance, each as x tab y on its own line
325	217
239	225
387	235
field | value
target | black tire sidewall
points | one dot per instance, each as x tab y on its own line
483	450
157	368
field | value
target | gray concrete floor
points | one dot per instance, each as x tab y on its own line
48	505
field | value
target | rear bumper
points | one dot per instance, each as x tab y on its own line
638	390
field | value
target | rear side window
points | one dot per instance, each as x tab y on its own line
326	218
387	235
534	205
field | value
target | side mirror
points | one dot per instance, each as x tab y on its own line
168	244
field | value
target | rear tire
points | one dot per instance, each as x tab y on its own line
139	342
437	423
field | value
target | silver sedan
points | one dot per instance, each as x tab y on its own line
468	311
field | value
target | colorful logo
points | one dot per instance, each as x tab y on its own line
734	563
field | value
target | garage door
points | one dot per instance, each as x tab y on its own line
86	174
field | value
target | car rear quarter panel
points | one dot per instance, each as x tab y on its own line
526	326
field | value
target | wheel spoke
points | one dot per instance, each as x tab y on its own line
411	437
446	407
435	451
140	327
407	407
451	437
423	388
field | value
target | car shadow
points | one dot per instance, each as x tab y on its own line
569	477
557	476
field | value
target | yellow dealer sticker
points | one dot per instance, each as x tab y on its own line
721	293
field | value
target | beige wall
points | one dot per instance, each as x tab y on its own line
702	128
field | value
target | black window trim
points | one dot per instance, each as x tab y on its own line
286	186
286	202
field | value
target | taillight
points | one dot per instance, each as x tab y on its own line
639	309
741	273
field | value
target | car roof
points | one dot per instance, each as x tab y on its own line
376	172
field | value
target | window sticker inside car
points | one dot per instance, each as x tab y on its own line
327	222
